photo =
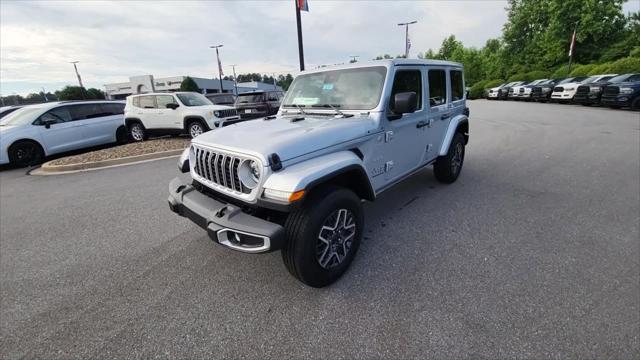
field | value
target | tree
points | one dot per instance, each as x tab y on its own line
449	46
95	94
385	56
70	93
429	54
188	84
284	81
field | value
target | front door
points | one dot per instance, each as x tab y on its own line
167	118
62	133
405	136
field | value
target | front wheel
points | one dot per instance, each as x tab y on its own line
195	128
25	153
323	236
448	167
137	132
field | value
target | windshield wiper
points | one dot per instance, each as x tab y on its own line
334	108
300	108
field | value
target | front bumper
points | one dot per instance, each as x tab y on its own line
618	100
590	98
226	224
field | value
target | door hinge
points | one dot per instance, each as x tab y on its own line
388	136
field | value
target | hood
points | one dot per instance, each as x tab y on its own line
210	107
6	129
496	88
632	84
570	85
285	137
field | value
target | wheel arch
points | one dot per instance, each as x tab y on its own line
131	120
459	124
190	118
44	148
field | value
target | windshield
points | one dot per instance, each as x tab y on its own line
250	98
620	78
21	116
589	80
348	89
222	99
193	99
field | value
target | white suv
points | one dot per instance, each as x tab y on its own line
174	113
565	92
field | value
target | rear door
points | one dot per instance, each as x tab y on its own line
148	112
64	133
102	121
441	108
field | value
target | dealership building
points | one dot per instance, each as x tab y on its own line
147	83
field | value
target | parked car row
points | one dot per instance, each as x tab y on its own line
251	105
615	91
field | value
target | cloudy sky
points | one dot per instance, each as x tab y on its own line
117	39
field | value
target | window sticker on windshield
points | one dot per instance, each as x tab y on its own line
305	101
327	87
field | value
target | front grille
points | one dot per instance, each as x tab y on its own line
227	113
218	168
583	89
611	91
521	90
558	89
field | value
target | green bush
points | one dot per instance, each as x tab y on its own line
582	70
635	52
625	66
528	76
493	83
600	69
516	77
477	90
563	71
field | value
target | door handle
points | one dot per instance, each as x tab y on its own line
422	124
444	117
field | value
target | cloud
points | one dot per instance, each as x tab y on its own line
117	39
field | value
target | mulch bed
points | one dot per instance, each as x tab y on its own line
121	151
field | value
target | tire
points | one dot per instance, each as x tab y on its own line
121	135
448	167
196	128
137	132
615	107
25	153
635	105
317	236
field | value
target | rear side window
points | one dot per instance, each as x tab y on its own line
437	87
147	102
408	81
86	111
113	109
136	101
634	78
457	85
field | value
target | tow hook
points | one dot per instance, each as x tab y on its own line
220	212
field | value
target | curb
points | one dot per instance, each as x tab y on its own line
95	165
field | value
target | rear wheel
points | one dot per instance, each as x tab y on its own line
323	236
635	105
137	132
195	128
121	135
448	167
26	153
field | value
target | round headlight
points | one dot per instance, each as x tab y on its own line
216	113
249	174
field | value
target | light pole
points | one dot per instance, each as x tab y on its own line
354	58
219	64
75	67
406	37
235	80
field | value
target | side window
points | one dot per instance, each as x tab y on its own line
408	81
164	100
112	109
86	111
437	87
634	78
457	85
136	101
147	102
57	115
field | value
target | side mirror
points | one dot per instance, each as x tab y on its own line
404	103
47	123
172	106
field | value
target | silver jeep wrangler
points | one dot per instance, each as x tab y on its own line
296	181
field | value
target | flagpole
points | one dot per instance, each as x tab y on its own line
572	47
219	66
406	37
299	23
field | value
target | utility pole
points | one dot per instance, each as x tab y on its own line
219	64
299	23
79	79
406	37
235	80
44	95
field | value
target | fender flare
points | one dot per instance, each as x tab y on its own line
344	168
129	120
455	122
188	118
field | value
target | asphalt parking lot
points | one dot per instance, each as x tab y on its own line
533	253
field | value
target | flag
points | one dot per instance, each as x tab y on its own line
573	44
303	5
